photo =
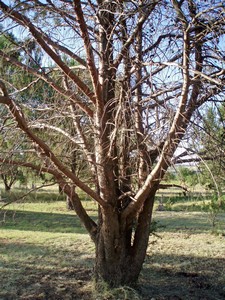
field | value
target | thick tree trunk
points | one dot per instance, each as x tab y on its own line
121	247
114	260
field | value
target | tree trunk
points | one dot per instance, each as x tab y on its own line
114	260
121	247
7	188
69	204
60	190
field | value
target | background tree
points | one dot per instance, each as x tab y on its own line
187	175
213	142
151	66
11	174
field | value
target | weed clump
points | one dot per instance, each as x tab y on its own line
102	291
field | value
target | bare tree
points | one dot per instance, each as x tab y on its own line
9	175
123	82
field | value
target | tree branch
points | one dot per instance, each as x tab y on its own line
131	38
68	94
167	185
89	224
88	47
24	21
46	151
175	134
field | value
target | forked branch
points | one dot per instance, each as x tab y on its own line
46	151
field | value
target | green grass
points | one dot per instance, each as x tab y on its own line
45	195
45	217
184	265
45	253
43	265
43	249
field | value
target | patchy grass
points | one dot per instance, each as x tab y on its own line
45	253
190	222
45	217
32	197
45	266
184	265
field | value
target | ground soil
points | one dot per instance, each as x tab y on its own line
76	283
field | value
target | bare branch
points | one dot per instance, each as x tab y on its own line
88	48
167	185
174	136
131	38
21	19
22	124
68	94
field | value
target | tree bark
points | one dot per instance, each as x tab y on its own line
69	204
7	188
121	245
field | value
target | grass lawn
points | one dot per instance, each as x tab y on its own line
46	254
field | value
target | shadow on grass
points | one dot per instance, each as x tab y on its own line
167	198
39	272
70	223
183	277
32	197
45	195
40	221
169	221
30	271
